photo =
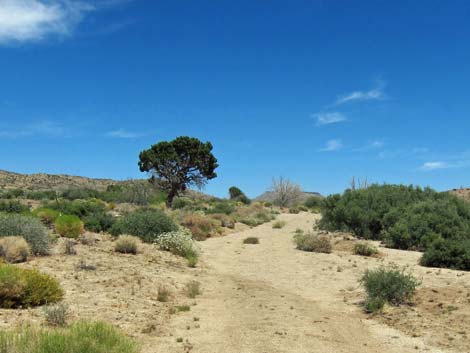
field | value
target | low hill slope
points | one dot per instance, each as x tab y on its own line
268	196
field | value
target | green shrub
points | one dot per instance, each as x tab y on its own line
224	207
81	337
294	210
21	287
79	194
69	226
454	254
146	224
313	202
56	315
13	206
99	222
237	195
79	208
41	195
364	249
180	202
388	285
30	228
46	215
251	240
312	242
126	244
12	193
279	224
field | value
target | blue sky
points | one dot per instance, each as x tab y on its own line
315	91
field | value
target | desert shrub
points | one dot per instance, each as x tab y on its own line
136	192
279	224
69	226
14	249
193	289
251	240
294	210
225	221
56	315
387	285
237	195
69	247
81	337
13	206
454	254
30	228
99	222
46	215
79	208
285	192
312	242
224	207
21	287
12	193
201	226
254	215
163	294
126	244
313	202
180	243
41	195
146	224
364	249
405	217
302	208
79	194
180	202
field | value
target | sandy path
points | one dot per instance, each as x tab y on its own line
270	298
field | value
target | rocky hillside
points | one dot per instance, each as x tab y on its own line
10	180
463	193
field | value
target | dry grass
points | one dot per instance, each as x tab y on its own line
14	249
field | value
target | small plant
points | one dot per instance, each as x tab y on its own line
69	247
182	308
84	266
251	240
201	226
30	228
14	249
126	244
163	294
387	285
193	289
81	337
180	243
279	224
56	315
21	287
294	210
46	215
69	226
313	243
364	249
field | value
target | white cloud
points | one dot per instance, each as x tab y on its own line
43	128
35	20
333	145
358	96
372	145
329	118
428	166
123	134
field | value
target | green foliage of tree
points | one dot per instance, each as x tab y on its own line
178	164
237	195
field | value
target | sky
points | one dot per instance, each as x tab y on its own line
314	91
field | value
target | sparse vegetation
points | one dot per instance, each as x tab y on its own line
279	224
180	243
286	193
56	315
69	247
193	289
387	285
163	294
365	249
313	243
201	226
251	240
80	337
21	287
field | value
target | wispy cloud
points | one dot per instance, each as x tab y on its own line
428	166
123	134
333	146
43	128
376	93
329	118
372	145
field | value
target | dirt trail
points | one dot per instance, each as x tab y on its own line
270	298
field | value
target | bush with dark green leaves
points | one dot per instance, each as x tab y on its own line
137	192
79	194
313	202
225	207
41	195
79	208
237	195
180	203
147	224
12	193
13	206
388	285
452	254
30	228
99	222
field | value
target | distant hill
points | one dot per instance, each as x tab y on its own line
268	196
40	181
463	193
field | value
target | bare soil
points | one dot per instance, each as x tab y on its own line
262	298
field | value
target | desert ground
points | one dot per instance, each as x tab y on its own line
263	298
